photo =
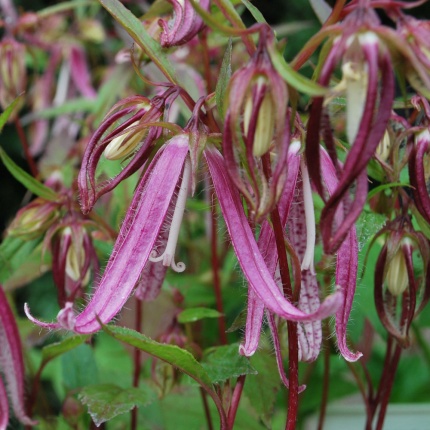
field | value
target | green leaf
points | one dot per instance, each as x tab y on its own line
420	222
106	401
196	314
171	354
27	180
262	388
254	12
64	6
8	112
386	187
14	252
293	78
80	104
136	30
79	367
223	80
56	349
225	362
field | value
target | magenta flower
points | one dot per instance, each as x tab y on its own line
11	367
184	24
137	242
297	213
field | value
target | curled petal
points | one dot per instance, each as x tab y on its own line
248	254
254	322
80	73
184	25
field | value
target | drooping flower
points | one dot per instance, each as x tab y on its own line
298	218
184	24
137	239
257	125
11	367
399	294
368	82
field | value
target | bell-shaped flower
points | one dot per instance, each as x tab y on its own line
183	25
162	190
368	84
256	124
400	294
11	368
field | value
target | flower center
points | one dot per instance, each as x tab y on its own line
168	256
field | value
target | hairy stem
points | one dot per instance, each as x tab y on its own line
136	360
237	393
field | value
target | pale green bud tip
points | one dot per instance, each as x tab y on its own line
125	144
384	147
397	274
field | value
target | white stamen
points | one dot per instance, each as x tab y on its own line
308	258
168	256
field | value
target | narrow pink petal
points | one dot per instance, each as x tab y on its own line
346	266
4	407
267	247
137	237
309	333
11	362
254	322
80	73
248	254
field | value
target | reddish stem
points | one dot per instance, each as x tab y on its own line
326	381
237	393
206	408
24	143
136	361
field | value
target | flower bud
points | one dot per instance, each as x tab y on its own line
265	120
13	76
384	147
34	219
397	274
125	143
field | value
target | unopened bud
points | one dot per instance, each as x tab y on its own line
13	77
265	121
384	147
33	220
397	274
356	81
125	144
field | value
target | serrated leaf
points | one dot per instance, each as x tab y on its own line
225	362
13	253
27	180
136	30
262	388
258	16
106	401
171	354
196	314
8	112
223	80
293	78
56	349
